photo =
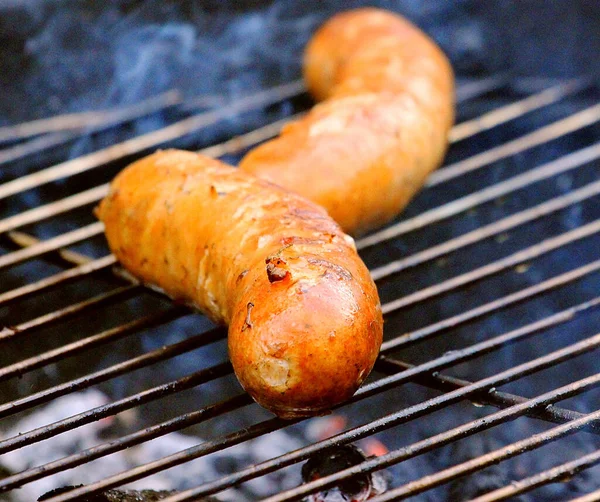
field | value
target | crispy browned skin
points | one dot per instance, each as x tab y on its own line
305	323
368	148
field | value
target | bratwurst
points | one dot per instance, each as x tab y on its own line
305	323
366	150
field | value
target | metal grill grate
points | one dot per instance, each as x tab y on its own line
392	266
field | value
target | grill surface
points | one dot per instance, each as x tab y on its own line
506	309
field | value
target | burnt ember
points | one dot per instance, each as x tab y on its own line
114	495
356	489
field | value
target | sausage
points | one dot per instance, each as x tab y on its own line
364	151
305	323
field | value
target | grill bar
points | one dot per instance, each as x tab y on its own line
10	332
443	439
71	257
492	268
234	145
401	372
160	354
40	213
90	120
406	415
18	369
490	230
547	412
493	306
434	365
538	137
492	397
557	474
517	109
480	87
439	213
378	273
57	279
517	448
53	244
590	497
133	364
378	386
148	140
94	122
176	424
115	407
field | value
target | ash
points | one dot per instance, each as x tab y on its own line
178	478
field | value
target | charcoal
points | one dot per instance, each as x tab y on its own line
117	495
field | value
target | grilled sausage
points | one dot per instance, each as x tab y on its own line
382	128
305	324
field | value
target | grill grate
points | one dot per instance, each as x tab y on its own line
480	389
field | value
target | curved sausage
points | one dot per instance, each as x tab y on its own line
364	151
305	324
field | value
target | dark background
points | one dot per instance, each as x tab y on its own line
71	55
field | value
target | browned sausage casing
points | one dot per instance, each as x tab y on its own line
363	153
305	323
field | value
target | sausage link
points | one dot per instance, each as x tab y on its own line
365	151
305	323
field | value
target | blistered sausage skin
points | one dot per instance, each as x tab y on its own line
305	323
382	127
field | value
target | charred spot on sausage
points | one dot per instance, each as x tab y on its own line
247	322
276	269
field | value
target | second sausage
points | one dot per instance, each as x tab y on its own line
365	151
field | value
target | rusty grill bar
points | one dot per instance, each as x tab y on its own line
396	372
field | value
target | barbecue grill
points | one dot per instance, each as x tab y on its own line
489	285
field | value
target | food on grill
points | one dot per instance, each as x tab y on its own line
305	323
365	151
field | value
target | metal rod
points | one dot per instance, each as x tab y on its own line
107	410
386	270
56	279
526	254
517	109
97	193
490	307
533	408
554	475
90	121
452	208
145	141
72	257
246	140
402	416
73	348
490	230
36	145
149	358
590	497
11	332
492	397
53	244
380	424
480	87
442	439
512	450
25	240
239	143
538	137
149	433
46	211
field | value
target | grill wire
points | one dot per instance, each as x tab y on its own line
391	371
